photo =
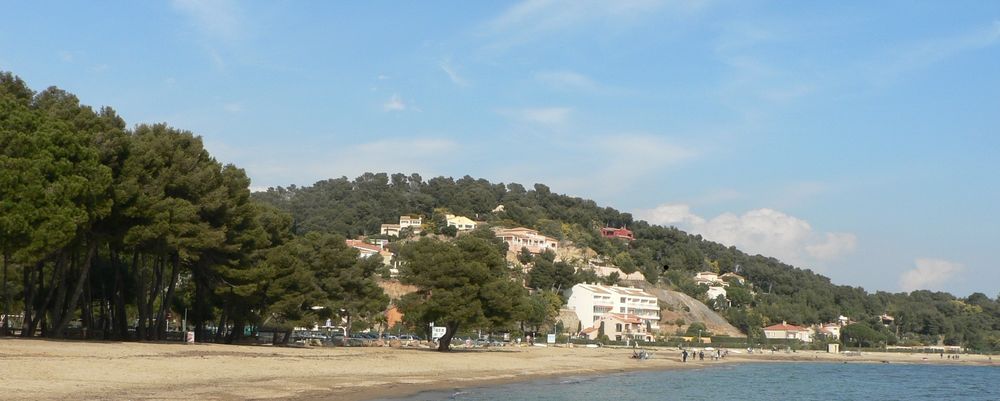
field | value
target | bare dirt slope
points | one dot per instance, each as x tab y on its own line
689	309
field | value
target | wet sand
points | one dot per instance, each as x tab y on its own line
51	370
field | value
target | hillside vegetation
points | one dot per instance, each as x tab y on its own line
774	292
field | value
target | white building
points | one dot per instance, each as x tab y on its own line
405	221
594	302
714	292
708	278
517	238
619	327
462	223
788	332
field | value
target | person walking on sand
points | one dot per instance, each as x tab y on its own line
684	356
701	355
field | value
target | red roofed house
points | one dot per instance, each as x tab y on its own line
618	327
787	331
623	233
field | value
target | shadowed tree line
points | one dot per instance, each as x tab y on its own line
110	232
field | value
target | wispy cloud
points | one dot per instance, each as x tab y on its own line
218	19
545	15
530	20
929	273
67	56
395	103
897	62
765	231
233	107
566	80
545	116
452	73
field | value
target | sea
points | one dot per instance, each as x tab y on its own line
754	381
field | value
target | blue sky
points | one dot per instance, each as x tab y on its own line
857	139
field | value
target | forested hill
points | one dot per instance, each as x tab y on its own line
775	292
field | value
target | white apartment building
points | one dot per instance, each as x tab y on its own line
404	222
594	302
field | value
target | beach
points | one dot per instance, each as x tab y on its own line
48	370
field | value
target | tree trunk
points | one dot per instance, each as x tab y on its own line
154	292
140	295
29	299
120	321
6	297
87	309
220	329
161	328
52	308
444	343
77	290
42	310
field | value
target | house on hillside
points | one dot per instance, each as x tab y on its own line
366	250
520	237
620	233
785	331
715	291
619	327
830	330
461	223
730	277
592	302
708	278
406	221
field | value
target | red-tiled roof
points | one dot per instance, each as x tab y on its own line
627	318
785	327
363	245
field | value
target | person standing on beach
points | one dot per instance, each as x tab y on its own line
684	356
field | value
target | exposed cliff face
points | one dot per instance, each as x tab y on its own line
689	309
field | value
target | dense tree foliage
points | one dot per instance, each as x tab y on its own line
461	283
774	291
113	232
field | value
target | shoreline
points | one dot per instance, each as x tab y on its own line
41	369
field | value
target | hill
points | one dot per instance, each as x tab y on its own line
774	292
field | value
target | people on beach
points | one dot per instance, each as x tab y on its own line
701	355
684	356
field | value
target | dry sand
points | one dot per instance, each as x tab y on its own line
50	370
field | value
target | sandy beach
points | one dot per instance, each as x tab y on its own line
49	370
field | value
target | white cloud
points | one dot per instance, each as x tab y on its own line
566	80
383	77
834	245
219	19
761	231
453	73
233	107
395	103
547	116
928	273
532	16
532	20
67	56
620	162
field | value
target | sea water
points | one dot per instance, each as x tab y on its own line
755	381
